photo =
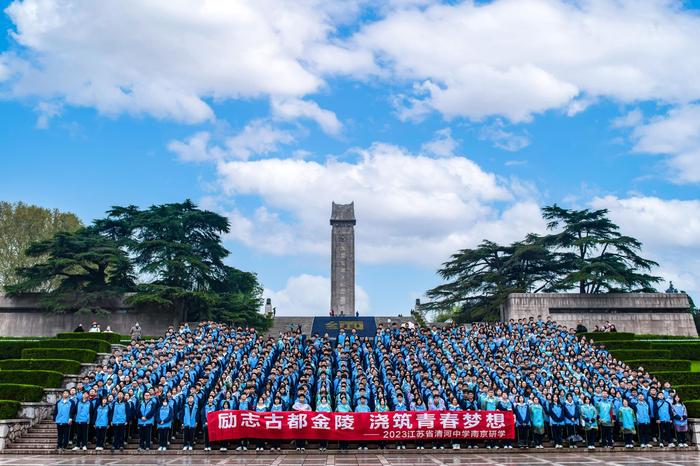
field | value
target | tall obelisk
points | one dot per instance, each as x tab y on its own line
343	259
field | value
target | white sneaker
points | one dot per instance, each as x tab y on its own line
672	445
241	448
76	448
223	449
84	448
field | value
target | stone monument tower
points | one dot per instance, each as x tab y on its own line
343	259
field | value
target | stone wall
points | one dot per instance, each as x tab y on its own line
646	313
22	317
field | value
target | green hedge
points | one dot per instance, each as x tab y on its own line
108	337
12	349
647	336
20	392
99	346
625	354
64	366
686	350
8	409
693	407
625	344
660	365
80	355
688	392
678	377
47	379
607	336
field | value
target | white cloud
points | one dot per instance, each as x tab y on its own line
166	58
291	109
257	138
629	119
497	134
410	209
516	58
442	145
306	295
669	230
677	135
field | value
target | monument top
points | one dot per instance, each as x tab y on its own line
343	213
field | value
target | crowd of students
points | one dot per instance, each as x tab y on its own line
560	387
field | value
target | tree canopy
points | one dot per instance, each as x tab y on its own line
584	251
23	224
166	256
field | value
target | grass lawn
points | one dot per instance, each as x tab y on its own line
695	366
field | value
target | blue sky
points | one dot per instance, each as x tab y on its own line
446	123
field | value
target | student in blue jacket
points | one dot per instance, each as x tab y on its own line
210	407
664	413
164	420
101	423
146	417
571	419
62	416
120	417
680	420
81	415
643	412
189	422
556	421
522	421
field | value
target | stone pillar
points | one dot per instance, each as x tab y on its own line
343	259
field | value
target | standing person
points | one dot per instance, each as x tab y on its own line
82	415
419	406
260	407
276	407
627	422
362	407
94	328
301	405
680	420
208	408
607	419
189	422
522	421
101	423
571	420
506	405
164	420
643	414
454	406
556	421
146	417
537	415
400	405
120	417
323	406
135	332
589	419
62	416
79	329
663	419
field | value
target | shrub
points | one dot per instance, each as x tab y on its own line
607	336
8	409
688	392
99	346
625	354
660	365
685	350
64	366
624	344
647	336
80	355
20	392
12	349
108	337
693	408
678	377
50	379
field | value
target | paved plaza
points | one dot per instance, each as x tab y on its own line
686	458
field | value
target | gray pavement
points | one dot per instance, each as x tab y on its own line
676	458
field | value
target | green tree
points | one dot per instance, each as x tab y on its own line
178	249
81	271
21	225
584	251
479	280
596	256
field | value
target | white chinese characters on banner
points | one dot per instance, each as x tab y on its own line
227	420
471	420
321	422
378	421
495	421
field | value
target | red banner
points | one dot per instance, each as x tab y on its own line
388	426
